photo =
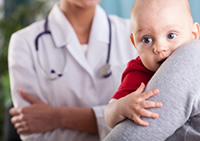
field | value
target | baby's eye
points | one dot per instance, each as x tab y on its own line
147	40
171	36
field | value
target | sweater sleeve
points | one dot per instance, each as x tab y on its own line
178	80
132	77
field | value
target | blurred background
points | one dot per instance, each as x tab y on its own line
16	14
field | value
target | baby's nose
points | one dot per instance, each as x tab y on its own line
159	48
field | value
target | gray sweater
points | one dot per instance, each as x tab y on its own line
178	80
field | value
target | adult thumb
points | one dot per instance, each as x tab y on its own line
28	97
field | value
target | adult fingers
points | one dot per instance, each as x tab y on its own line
20	125
29	98
22	128
17	118
15	111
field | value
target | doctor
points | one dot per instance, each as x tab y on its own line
64	70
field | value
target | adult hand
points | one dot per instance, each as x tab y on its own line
135	105
38	117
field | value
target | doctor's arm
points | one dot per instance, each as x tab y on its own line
40	117
22	75
178	80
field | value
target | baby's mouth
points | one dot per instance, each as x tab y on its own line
161	61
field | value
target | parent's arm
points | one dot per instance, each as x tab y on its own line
178	80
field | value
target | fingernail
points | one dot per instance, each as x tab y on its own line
155	115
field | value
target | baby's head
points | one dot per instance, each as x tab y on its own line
159	27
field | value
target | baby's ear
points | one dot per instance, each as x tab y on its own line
132	40
195	31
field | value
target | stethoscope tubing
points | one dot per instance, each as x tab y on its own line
46	31
109	44
104	72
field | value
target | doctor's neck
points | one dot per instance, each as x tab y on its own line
80	19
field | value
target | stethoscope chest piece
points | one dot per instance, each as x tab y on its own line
105	71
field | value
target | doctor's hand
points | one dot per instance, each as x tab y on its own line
38	117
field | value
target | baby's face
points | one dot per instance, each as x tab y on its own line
160	27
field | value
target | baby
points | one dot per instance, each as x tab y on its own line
158	28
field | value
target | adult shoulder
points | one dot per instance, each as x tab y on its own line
30	31
120	23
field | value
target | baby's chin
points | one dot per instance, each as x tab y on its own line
153	68
161	62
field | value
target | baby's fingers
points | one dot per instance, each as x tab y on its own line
140	89
141	122
147	113
151	104
149	94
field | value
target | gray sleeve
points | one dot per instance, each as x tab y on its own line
178	80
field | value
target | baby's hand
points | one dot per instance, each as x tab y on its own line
134	105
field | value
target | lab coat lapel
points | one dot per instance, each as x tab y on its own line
67	38
75	50
99	39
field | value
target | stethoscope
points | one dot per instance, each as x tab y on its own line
104	71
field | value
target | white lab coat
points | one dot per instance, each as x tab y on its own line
80	85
